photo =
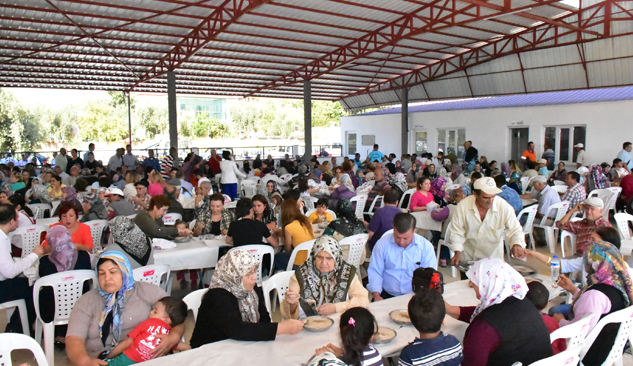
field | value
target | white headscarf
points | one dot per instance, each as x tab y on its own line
497	281
347	182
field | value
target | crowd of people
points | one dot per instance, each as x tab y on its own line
477	201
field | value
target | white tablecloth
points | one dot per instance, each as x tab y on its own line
195	254
297	349
528	201
424	221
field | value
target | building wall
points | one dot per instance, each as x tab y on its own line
609	124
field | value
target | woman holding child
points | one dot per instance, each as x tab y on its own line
104	316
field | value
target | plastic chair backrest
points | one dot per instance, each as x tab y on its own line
531	215
170	218
617	191
258	251
625	318
360	204
303	246
15	341
450	187
356	247
96	229
572	239
568	357
373	203
286	177
309	201
623	219
408	193
67	288
559	183
560	208
36	212
249	190
193	301
574	333
280	282
604	194
560	189
156	274
31	237
20	305
310	212
42	209
525	181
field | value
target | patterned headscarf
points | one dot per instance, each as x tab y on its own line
505	168
70	193
457	171
228	274
96	205
347	182
131	239
600	181
328	287
63	254
604	264
436	187
497	281
111	319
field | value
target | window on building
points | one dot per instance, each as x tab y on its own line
420	141
452	139
351	143
562	139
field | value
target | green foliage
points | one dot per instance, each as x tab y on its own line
154	120
101	122
325	114
205	126
20	129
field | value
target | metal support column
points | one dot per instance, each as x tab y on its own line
404	124
172	106
307	119
129	116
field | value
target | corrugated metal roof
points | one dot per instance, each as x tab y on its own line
520	100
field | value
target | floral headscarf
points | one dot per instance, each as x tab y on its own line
63	254
328	287
131	239
604	264
505	168
599	180
70	193
436	187
228	274
497	281
346	224
111	319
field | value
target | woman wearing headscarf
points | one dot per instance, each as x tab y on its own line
597	179
438	186
609	289
497	335
413	175
104	316
396	179
233	307
325	284
505	169
130	240
343	190
399	167
457	176
430	172
70	195
346	223
93	208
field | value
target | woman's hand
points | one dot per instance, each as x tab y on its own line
565	282
167	342
291	326
292	297
327	309
331	348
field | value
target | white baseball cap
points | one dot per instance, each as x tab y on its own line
542	161
538	178
205	179
579	145
113	190
582	171
487	185
595	202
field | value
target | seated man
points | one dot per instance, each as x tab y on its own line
510	195
473	177
246	230
575	192
593	207
545	194
118	204
382	221
141	200
395	257
151	221
379	186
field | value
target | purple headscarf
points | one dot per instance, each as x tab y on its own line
63	254
436	187
70	192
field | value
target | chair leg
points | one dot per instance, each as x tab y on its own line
550	239
24	319
49	340
532	241
38	332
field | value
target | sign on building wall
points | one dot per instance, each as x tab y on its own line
368	140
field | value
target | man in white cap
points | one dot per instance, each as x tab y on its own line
593	208
118	203
542	167
581	158
478	224
545	195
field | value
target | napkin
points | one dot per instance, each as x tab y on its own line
163	244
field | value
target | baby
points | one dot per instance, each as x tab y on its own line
138	346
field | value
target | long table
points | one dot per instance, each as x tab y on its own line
425	221
297	349
195	254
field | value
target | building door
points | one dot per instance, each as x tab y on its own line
519	139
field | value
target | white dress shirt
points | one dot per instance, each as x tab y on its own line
477	239
10	267
546	198
582	158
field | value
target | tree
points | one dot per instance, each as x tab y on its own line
153	120
20	129
325	112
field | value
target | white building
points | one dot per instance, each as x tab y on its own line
500	127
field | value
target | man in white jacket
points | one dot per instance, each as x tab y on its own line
230	174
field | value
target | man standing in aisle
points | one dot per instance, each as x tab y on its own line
91	149
625	156
170	161
129	159
581	158
61	160
152	161
374	155
470	153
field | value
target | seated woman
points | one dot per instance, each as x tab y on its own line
438	187
55	189
25	218
103	317
558	174
93	208
429	171
327	283
129	239
422	195
496	332
346	223
262	212
296	229
80	232
211	216
233	307
156	184
344	187
151	221
609	289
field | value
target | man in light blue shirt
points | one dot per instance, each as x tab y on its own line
375	155
546	195
394	258
625	155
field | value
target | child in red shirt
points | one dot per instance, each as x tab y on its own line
539	296
138	346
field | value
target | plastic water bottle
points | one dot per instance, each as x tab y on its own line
555	270
435	282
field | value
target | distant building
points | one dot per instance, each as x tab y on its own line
211	107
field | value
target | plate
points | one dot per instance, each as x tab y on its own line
182	239
317	323
384	335
523	269
465	265
400	316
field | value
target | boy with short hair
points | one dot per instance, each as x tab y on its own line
138	346
321	214
539	296
427	311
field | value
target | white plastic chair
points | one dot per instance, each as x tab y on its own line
310	212
409	193
249	188
280	282
531	212
371	212
626	245
170	218
67	289
360	200
617	191
41	207
301	247
445	242
258	251
309	201
194	300
36	212
156	274
356	248
625	318
31	237
286	178
449	188
559	183
564	234
550	229
131	217
574	333
525	183
230	205
606	195
560	189
20	305
13	341
96	229
54	206
568	357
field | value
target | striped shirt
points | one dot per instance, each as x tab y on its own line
372	357
165	165
444	350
